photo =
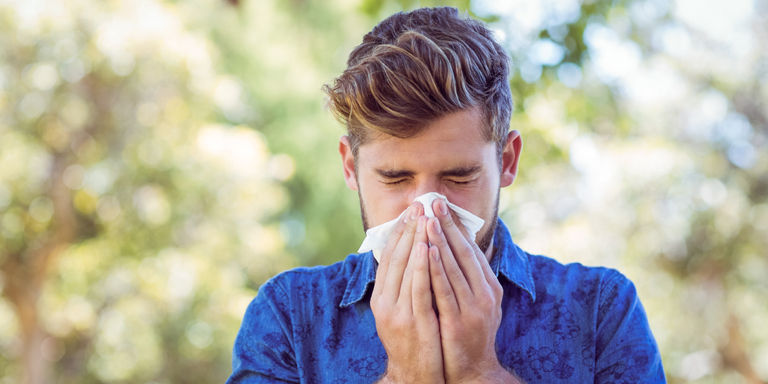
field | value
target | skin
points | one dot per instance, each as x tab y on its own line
456	346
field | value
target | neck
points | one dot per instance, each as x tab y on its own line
489	251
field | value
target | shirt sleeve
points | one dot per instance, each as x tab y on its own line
625	350
263	351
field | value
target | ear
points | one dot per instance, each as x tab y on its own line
348	162
510	158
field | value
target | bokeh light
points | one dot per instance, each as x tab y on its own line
160	160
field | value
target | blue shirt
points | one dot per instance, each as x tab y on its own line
560	324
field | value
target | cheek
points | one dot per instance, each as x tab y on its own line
382	204
478	199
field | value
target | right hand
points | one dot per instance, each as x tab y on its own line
402	305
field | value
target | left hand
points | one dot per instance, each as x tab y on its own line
468	297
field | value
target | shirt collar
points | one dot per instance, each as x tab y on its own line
511	261
362	275
508	260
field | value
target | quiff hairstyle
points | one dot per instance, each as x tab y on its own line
416	67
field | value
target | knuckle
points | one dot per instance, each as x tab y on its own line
398	259
468	250
420	265
490	300
419	289
452	324
401	323
437	269
455	273
386	255
400	228
407	274
498	294
431	321
497	289
477	318
470	318
443	292
439	241
378	312
486	301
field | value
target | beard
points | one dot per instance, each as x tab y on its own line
483	240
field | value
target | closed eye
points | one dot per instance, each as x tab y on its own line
403	180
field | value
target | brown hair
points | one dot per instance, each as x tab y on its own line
416	67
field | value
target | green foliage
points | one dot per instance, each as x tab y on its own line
154	216
160	160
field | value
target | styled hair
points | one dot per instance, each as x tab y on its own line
416	67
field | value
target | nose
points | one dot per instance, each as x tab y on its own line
425	186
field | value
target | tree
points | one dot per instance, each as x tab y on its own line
160	160
132	209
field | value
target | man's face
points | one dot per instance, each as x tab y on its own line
451	157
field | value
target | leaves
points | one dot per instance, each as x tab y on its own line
160	160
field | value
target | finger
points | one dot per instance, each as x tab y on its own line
481	257
490	277
384	260
419	236
460	225
453	272
441	287
461	248
482	260
405	296
399	257
488	274
479	254
421	293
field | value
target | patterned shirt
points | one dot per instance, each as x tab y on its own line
560	324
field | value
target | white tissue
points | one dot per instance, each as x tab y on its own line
376	238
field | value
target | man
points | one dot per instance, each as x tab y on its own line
427	106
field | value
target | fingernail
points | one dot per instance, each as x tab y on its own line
436	225
414	213
443	207
435	254
420	226
407	213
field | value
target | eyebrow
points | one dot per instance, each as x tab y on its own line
461	171
394	173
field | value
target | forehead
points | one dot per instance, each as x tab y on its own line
454	140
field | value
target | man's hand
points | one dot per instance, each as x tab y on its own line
468	298
402	305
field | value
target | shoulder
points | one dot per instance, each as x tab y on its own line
548	269
604	302
323	280
585	284
339	270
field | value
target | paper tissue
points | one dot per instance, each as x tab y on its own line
376	237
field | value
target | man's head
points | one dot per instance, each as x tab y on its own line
427	104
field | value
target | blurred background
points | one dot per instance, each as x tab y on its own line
160	160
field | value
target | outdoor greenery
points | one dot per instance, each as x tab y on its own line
160	160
